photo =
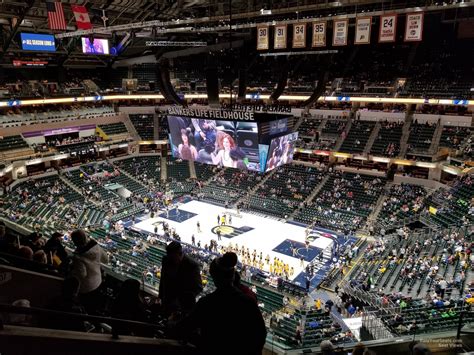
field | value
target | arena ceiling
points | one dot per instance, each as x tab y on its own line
31	16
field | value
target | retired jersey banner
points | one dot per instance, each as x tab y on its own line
362	32
280	37
339	37
262	38
299	35
414	27
388	28
319	34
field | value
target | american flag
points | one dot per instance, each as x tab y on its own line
56	19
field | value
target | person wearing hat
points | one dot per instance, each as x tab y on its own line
180	281
229	321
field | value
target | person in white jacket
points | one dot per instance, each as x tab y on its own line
87	259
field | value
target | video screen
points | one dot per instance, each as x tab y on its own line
37	42
232	144
97	46
281	151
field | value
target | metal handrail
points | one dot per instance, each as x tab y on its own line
76	316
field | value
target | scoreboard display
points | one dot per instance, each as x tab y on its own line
243	144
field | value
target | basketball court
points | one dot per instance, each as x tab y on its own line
285	241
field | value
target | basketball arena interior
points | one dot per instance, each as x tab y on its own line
236	177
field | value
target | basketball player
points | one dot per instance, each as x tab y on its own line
218	219
218	232
294	250
223	219
230	220
198	225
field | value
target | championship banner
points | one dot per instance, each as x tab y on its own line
388	28
362	32
319	34
414	27
280	37
262	38
339	37
299	35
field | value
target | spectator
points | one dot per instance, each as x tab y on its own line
421	349
243	288
55	250
34	242
86	267
180	280
25	253
129	305
238	330
327	348
40	257
68	302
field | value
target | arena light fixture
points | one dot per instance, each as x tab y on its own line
342	155
348	99
424	164
450	170
403	162
380	159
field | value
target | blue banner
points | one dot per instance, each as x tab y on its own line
37	42
263	153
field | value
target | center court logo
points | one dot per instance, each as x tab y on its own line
231	231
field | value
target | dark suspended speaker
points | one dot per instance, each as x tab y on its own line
165	84
282	81
242	83
212	83
320	87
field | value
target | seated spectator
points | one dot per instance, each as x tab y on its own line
180	280
129	305
238	330
25	253
33	241
327	348
86	267
40	257
245	290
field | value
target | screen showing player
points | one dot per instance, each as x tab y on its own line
281	151
232	144
97	46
